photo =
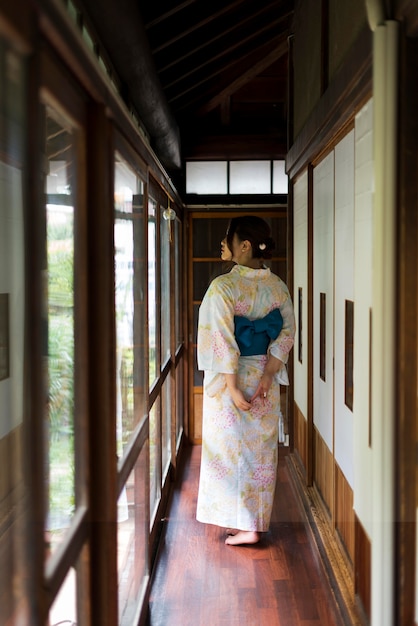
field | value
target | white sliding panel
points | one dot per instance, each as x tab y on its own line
323	235
363	257
344	304
300	296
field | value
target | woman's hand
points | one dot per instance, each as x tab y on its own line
263	387
236	394
272	366
239	400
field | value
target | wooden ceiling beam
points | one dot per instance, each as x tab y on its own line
224	33
225	66
207	20
167	14
264	61
253	71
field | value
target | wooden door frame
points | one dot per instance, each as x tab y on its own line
406	366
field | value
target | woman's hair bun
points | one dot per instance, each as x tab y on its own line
266	247
256	230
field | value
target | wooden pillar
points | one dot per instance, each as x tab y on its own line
102	375
406	360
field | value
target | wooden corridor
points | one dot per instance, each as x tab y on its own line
199	581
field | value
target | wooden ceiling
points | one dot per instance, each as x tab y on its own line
223	67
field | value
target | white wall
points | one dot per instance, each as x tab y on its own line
344	290
323	241
300	280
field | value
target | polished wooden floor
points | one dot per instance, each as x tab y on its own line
199	581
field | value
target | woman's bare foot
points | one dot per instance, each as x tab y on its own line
243	537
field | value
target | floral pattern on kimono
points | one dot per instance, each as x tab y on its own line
239	448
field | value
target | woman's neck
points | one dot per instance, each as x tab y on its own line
254	264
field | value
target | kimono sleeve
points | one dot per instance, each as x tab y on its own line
281	346
217	349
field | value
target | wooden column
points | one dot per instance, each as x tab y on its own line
407	329
102	375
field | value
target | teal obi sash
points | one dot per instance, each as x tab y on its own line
254	336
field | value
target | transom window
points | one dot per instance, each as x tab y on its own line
236	177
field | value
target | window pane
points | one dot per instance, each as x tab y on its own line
178	289
133	534
60	140
152	291
179	399
64	608
206	177
155	456
166	425
129	301
250	177
165	236
280	181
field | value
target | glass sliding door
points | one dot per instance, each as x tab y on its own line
132	389
155	457
164	295
61	248
130	254
166	238
132	537
154	355
91	355
60	236
166	228
179	306
153	293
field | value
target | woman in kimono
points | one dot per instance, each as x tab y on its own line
245	333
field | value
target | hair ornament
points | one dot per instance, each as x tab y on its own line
262	246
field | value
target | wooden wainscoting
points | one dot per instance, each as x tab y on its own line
362	569
10	462
11	507
300	434
344	513
336	496
323	472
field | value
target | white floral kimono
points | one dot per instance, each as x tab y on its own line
240	448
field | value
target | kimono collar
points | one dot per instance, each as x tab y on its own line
249	272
